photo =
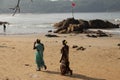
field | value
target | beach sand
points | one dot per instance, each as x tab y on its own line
99	61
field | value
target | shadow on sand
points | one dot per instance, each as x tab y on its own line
77	76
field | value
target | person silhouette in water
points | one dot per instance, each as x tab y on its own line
4	27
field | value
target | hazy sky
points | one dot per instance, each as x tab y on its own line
38	5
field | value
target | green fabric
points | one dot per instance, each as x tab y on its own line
39	55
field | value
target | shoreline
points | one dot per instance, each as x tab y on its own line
114	34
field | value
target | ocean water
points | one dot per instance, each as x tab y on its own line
40	23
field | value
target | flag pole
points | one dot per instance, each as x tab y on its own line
72	12
72	5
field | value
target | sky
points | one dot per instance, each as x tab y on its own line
53	0
82	5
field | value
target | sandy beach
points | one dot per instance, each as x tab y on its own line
99	61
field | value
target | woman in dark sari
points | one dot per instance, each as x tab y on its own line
39	54
64	67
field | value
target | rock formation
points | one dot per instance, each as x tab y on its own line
74	25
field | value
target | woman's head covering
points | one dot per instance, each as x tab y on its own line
38	40
64	42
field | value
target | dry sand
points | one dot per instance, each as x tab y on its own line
99	61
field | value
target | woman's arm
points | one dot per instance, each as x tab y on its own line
62	55
43	47
61	58
34	47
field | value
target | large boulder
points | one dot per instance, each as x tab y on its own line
75	28
78	27
70	21
59	24
97	33
84	24
65	25
101	24
111	25
73	25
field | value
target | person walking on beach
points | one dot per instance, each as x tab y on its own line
39	55
64	67
4	27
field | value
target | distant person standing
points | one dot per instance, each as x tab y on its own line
4	27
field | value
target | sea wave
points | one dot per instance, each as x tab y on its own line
41	23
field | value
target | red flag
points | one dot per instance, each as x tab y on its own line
73	4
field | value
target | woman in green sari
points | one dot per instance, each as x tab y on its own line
39	55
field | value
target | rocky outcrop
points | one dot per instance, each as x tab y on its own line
74	25
98	33
51	35
100	24
71	25
118	45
